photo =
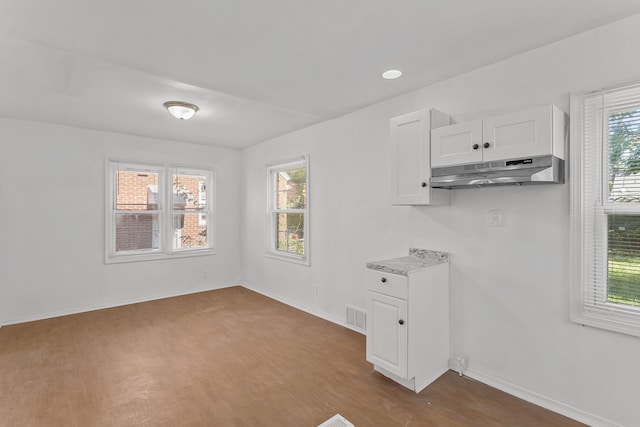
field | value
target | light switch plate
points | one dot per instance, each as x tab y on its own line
496	218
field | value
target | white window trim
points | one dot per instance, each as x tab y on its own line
600	314
165	186
270	250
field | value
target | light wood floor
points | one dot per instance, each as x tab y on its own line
228	357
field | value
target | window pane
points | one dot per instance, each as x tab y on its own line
189	192
624	157
190	230
624	259
136	232
136	190
290	232
291	189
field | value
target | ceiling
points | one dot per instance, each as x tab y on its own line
257	69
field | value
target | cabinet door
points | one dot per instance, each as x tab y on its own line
525	133
387	333
410	158
407	147
456	144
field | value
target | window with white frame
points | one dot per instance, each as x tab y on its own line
605	209
157	211
288	210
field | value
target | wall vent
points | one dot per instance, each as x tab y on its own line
337	421
357	318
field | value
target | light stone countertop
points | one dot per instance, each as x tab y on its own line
418	259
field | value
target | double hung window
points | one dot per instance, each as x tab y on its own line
157	211
605	209
288	215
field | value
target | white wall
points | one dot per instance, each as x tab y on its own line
52	214
509	285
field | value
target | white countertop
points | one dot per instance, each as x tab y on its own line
418	259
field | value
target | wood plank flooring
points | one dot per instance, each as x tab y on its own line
228	357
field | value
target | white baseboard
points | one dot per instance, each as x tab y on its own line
305	308
540	400
116	303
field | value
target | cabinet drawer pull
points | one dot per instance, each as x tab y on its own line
401	321
424	184
383	280
475	146
486	145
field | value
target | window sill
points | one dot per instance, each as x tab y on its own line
615	323
288	258
117	259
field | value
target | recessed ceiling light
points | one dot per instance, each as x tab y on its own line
181	110
391	74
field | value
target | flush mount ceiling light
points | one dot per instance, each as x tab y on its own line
181	110
391	74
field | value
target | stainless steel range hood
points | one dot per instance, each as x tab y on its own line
523	171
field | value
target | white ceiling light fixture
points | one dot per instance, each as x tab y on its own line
181	110
391	74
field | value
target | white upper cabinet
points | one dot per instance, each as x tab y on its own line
457	144
410	137
536	132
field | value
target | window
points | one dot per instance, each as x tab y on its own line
605	209
157	211
288	223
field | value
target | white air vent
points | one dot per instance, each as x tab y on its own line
336	421
357	318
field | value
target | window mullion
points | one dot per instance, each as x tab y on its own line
302	211
170	209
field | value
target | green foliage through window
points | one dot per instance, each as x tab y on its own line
623	267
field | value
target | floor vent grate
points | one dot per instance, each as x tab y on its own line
336	421
357	318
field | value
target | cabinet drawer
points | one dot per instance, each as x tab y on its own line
388	284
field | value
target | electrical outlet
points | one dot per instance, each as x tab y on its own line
496	218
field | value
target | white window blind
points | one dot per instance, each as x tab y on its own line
605	185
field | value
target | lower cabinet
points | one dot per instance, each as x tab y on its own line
408	325
388	337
